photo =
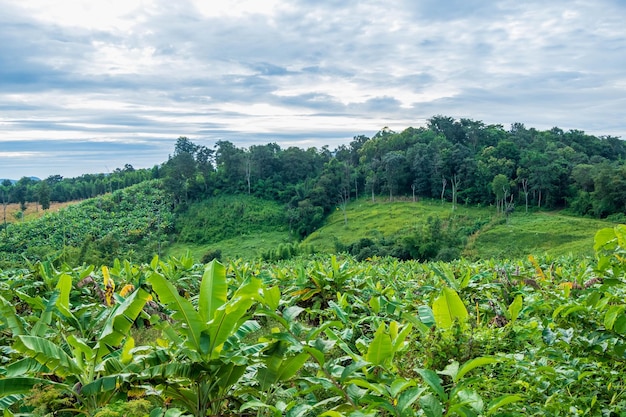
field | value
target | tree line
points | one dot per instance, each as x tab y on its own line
462	161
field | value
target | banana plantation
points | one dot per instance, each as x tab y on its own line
317	336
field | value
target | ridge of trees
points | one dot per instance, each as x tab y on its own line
463	161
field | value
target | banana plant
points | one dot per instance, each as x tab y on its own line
77	366
202	355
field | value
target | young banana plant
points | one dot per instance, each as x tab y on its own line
200	362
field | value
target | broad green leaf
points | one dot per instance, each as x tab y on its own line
451	370
408	397
472	364
515	308
316	354
9	316
299	410
7	401
380	349
64	286
447	308
341	315
470	398
127	355
120	321
43	324
191	322
290	313
375	304
431	406
231	315
255	404
105	384
602	237
399	385
426	315
398	341
620	324
82	352
290	366
20	385
447	274
272	297
213	290
499	402
331	413
48	354
433	381
21	367
611	315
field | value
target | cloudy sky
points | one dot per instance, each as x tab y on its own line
87	86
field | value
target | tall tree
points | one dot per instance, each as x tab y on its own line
43	194
5	191
395	168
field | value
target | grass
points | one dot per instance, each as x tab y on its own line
388	220
249	246
33	211
538	233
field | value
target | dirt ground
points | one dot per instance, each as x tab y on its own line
33	211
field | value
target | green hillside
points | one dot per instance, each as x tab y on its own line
480	232
230	227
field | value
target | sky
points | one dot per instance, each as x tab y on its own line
87	86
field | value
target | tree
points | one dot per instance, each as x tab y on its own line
395	167
501	187
43	195
21	191
5	192
524	182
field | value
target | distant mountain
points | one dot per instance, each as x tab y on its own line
14	181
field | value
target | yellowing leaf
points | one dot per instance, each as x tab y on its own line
127	289
447	308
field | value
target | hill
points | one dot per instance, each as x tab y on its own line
132	223
138	222
384	228
239	226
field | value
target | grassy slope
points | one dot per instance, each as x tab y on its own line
534	233
246	246
239	226
537	233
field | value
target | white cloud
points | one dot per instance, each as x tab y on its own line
150	70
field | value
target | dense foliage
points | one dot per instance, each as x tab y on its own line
329	337
219	218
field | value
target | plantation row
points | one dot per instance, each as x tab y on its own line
317	336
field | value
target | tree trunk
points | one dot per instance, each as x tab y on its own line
444	182
455	182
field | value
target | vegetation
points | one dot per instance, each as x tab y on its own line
132	223
434	272
318	336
